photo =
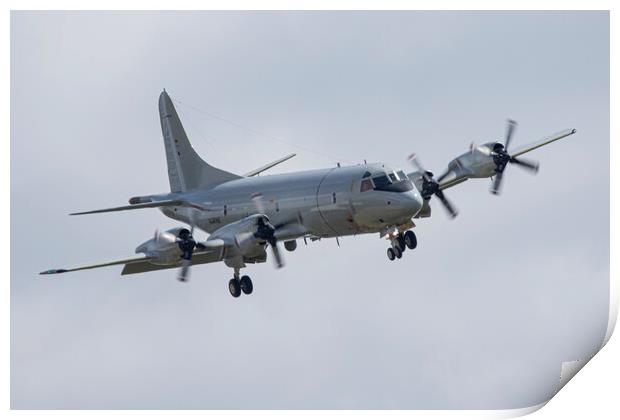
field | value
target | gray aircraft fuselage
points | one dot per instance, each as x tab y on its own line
324	203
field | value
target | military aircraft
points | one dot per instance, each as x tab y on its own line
245	215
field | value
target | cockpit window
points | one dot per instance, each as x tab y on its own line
402	175
366	185
366	174
381	181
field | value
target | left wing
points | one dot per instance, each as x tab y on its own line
529	147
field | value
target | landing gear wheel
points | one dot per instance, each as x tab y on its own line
398	252
410	239
234	287
402	244
391	254
246	285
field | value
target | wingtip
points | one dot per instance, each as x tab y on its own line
79	213
53	271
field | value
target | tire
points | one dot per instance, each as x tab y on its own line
411	240
234	288
398	252
391	255
246	285
401	242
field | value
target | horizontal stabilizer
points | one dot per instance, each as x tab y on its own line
154	204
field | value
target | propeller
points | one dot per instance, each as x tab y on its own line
430	186
187	244
502	158
266	231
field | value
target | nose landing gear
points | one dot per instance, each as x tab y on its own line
400	243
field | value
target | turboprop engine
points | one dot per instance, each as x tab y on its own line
169	247
249	235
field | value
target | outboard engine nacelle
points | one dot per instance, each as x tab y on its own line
166	247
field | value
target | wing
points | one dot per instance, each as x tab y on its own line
142	264
132	260
529	147
145	266
270	165
153	204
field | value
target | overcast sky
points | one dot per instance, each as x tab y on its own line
480	315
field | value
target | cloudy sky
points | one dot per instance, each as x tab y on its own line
480	315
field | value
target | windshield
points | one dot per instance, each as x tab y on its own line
383	183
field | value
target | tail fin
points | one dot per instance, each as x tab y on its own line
186	170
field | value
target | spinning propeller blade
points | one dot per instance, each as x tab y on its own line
184	273
187	244
266	230
430	186
502	158
525	164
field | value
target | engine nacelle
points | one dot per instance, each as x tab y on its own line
243	234
247	244
163	247
477	163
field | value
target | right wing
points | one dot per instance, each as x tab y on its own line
145	266
132	260
142	264
152	204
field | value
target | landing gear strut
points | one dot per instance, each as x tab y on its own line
400	243
236	285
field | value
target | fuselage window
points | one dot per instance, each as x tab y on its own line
225	209
334	198
366	185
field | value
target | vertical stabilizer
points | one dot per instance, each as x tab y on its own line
186	170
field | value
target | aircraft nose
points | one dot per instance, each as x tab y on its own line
408	203
414	202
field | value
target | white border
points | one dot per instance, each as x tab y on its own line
599	381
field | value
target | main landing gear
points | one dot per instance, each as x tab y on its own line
237	284
401	242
